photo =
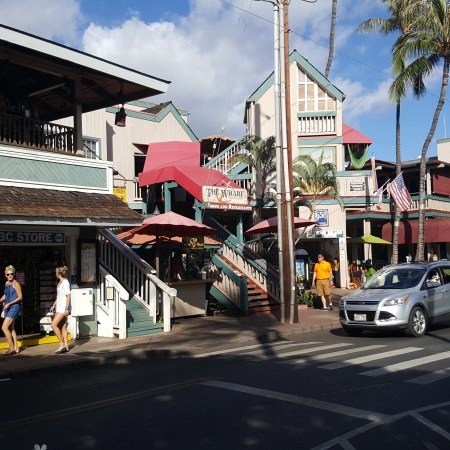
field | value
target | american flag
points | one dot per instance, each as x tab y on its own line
400	193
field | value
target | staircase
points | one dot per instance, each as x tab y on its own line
138	321
246	282
238	172
132	300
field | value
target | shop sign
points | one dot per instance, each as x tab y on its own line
225	195
357	186
120	192
194	243
226	206
321	217
31	237
317	232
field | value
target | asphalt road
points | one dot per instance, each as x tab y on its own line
318	390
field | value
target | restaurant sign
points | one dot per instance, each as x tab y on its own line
224	195
229	207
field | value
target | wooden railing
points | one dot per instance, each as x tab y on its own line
136	276
28	132
223	162
317	125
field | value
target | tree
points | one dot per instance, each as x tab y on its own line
332	37
427	45
314	180
260	155
397	22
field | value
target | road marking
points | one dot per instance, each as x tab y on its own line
364	359
304	401
248	347
432	425
331	355
5	379
57	414
302	351
406	365
431	377
254	352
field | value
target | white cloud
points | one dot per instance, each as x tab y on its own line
51	19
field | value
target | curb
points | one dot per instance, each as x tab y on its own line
129	355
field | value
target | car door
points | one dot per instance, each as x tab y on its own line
445	270
433	288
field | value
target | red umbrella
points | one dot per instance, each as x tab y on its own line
172	224
271	225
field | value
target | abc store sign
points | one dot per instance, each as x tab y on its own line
31	237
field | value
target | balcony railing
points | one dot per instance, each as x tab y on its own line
319	125
33	133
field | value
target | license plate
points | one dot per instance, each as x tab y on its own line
362	317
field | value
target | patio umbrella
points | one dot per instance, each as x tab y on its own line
369	239
170	224
271	225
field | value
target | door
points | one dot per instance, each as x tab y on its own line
435	290
446	292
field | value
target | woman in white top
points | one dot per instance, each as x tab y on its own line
61	307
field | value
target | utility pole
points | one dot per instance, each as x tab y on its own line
293	311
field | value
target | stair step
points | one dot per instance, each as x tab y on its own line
144	332
256	303
254	298
143	326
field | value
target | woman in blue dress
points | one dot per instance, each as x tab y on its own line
11	310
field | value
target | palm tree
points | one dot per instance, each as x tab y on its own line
427	44
314	180
260	155
397	22
332	36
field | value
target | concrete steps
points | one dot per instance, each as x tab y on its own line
139	323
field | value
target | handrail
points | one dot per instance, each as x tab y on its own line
30	132
240	281
229	150
135	275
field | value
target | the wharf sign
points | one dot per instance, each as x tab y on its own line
225	195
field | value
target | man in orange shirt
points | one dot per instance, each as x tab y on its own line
323	281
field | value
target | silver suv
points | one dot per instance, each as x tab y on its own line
401	297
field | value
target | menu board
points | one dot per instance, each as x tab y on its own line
88	262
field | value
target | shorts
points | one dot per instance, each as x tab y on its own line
323	287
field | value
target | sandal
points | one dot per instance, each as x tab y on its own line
10	353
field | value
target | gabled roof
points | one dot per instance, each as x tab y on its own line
352	136
309	69
158	113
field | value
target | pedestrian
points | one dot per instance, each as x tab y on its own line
369	269
11	310
336	272
61	307
323	279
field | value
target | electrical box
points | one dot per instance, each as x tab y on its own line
82	300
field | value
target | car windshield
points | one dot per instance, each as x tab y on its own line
395	278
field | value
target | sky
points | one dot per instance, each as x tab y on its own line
217	52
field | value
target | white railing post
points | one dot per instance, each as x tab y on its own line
167	301
122	319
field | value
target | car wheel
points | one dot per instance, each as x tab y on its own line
417	325
353	331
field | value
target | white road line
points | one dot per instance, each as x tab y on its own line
364	359
432	426
304	401
248	347
5	379
406	365
254	352
431	377
331	355
302	351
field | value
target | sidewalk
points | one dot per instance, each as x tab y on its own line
188	337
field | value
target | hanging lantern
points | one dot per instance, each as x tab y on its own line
121	117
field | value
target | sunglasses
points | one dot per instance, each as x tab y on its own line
9	274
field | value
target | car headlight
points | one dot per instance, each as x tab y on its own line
395	301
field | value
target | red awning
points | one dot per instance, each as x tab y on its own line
436	230
180	162
352	136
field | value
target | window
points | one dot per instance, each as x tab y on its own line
328	154
91	147
446	274
311	96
